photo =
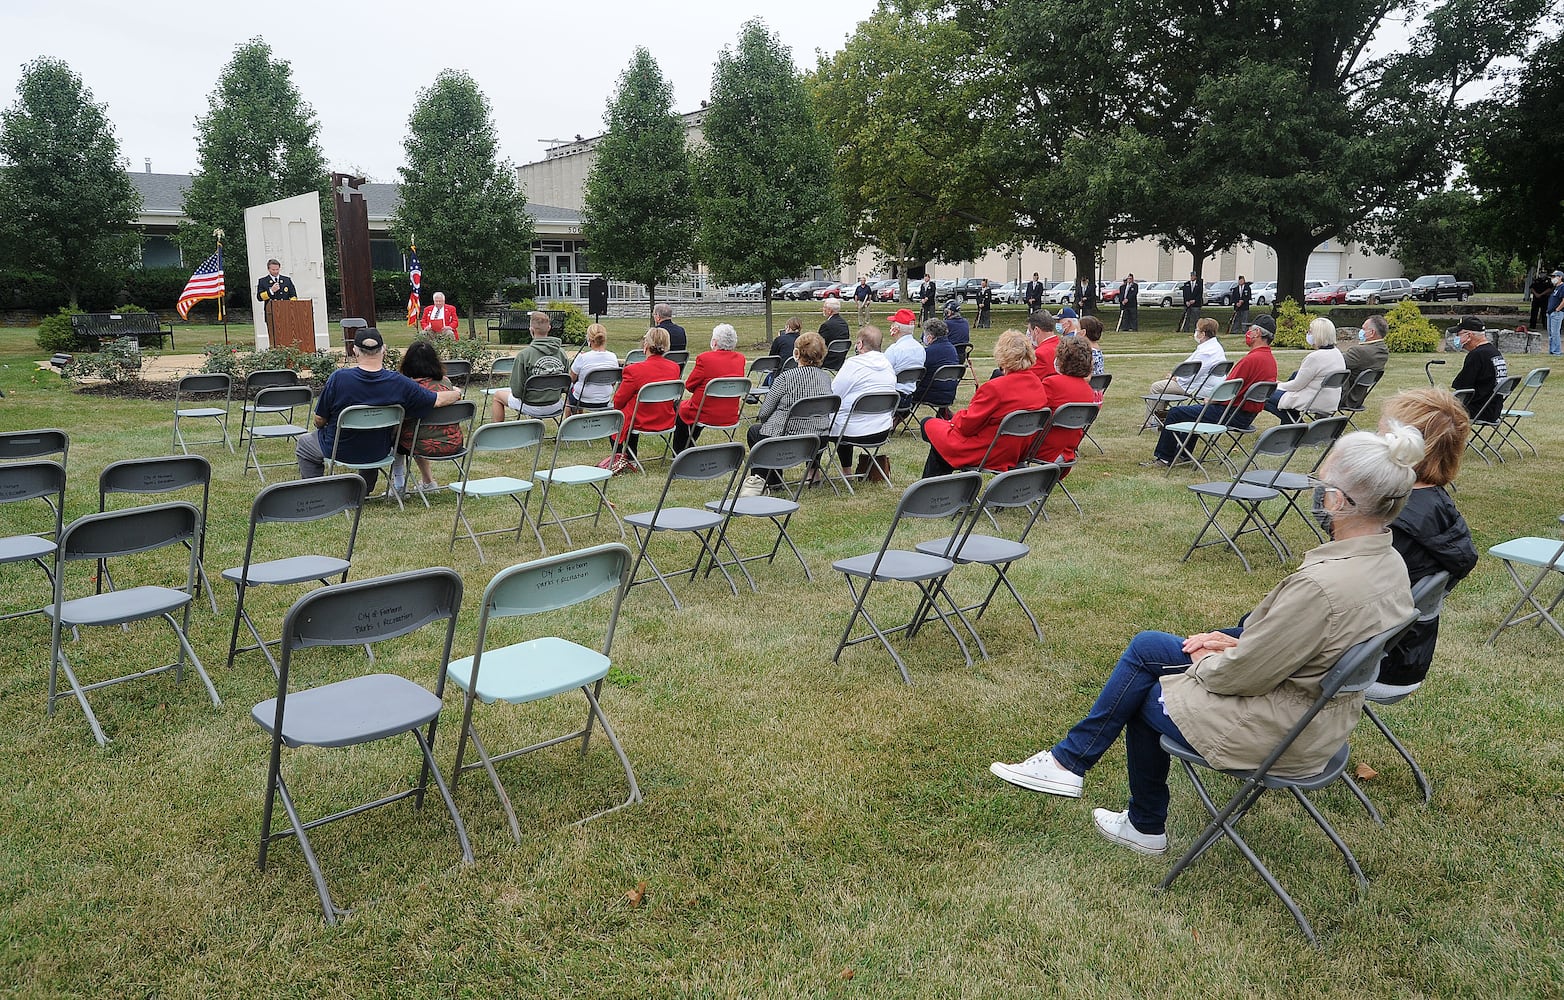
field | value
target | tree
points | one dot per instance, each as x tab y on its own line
764	178
639	214
258	142
67	206
458	198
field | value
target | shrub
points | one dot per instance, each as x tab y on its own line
469	349
1292	324
241	363
56	334
576	322
521	292
117	360
1410	331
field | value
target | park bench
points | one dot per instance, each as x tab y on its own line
517	321
110	326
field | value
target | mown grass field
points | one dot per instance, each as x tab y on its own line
810	829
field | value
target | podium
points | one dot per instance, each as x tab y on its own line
291	323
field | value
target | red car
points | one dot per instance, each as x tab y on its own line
1110	293
1328	295
832	291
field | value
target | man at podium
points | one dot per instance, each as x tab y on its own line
439	317
275	286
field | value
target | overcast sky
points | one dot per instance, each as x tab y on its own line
547	69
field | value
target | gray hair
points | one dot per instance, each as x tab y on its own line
1322	332
870	337
833	303
936	328
724	337
1377	326
1376	470
662	311
898	329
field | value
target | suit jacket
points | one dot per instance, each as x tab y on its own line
1089	294
653	417
833	329
1129	295
448	317
1034	294
1194	292
676	338
1242	294
927	292
963	439
710	365
287	291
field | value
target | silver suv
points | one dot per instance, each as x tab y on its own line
1375	291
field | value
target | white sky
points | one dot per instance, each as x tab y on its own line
547	69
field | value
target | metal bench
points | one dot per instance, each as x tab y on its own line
110	326
508	321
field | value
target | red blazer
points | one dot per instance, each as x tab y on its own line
449	317
1259	365
658	417
710	365
1060	444
964	438
1044	367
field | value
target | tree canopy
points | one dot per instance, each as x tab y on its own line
67	206
639	214
461	201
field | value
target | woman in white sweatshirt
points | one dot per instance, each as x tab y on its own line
1304	390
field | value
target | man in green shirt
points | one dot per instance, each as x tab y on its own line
544	355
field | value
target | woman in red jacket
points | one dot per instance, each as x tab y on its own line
722	361
1072	384
655	368
961	441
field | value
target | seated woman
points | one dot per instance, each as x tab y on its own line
1232	695
1430	533
653	368
1303	391
422	364
1091	329
807	380
597	356
722	361
1070	385
962	441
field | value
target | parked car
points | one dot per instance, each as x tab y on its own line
1328	295
1010	292
806	289
1433	287
1262	292
1158	293
1107	292
784	289
1376	291
885	289
968	288
1221	293
832	289
1061	293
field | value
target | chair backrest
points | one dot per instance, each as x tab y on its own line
1335	380
1021	487
373	610
458	368
631	357
1223	396
1535	378
939	496
192	385
1185	369
680	358
21	481
1428	595
155	475
459	412
1258	392
1218	373
17	446
557	582
509	435
601	376
839	347
1323	433
729	387
1017	423
546	383
269	378
285	396
948	373
1283	439
913	374
763	365
816	410
784	452
304	500
1100	383
126	532
710	461
369	418
659	392
872	404
503	366
594	426
1074	416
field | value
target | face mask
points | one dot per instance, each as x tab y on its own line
1363	336
1455	343
1248	340
1324	518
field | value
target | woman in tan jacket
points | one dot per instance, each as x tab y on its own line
1233	694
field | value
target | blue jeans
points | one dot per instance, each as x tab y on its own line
1131	703
1167	441
1555	321
1273	406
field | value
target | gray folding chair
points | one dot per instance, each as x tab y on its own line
836	353
701	465
1318	434
1070	417
542	666
556	386
20	482
156	477
936	498
292	505
457	372
1248	490
1366	380
1546	555
1484	432
379	427
680	358
771	455
607	378
194	390
1335	380
719	389
281	401
99	537
1206	430
501	369
1158	401
631	357
253	408
23	446
914	375
761	371
869	404
462	414
1015	424
360	709
652	394
1353	672
1256	395
510	440
1524	408
1099	384
578	428
1023	488
812	415
943	375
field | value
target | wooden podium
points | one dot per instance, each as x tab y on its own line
291	323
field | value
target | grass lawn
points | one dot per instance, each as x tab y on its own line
810	829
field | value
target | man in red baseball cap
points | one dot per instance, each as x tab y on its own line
906	352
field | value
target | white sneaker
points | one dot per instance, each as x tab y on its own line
1040	773
753	486
426	487
1116	826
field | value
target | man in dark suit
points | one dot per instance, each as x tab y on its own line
1129	305
1033	296
834	331
664	316
985	301
275	286
1193	293
1089	297
1241	297
926	293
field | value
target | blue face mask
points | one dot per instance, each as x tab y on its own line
1363	336
1455	343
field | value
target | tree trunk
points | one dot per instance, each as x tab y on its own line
1292	263
1085	262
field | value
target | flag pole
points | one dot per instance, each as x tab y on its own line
222	314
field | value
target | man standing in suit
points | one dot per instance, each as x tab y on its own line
927	292
1088	306
1129	305
275	286
439	317
1034	294
1193	292
664	316
1241	296
985	301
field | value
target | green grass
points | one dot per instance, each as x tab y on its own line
802	818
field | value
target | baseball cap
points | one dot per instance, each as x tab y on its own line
368	339
1471	323
904	317
1068	313
1265	322
1557	274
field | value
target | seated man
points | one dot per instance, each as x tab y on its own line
439	317
906	351
1369	354
866	371
368	384
956	325
1480	372
1259	365
543	356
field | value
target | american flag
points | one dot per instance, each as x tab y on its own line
416	276
205	283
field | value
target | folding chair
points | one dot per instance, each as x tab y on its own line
870	404
837	350
1247	490
631	357
385	421
774	454
1015	424
1162	400
702	464
812	412
1335	380
457	372
544	666
20	482
578	428
1512	417
761	370
1256	394
512	439
1484	431
536	385
1208	428
914	375
98	537
360	709
461	414
680	358
723	388
964	357
502	369
204	388
1025	487
1547	555
271	378
950	496
274	400
154	477
652	394
1099	384
1200	387
292	504
23	446
943	375
1070	416
1366	380
1321	434
608	378
1353	672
